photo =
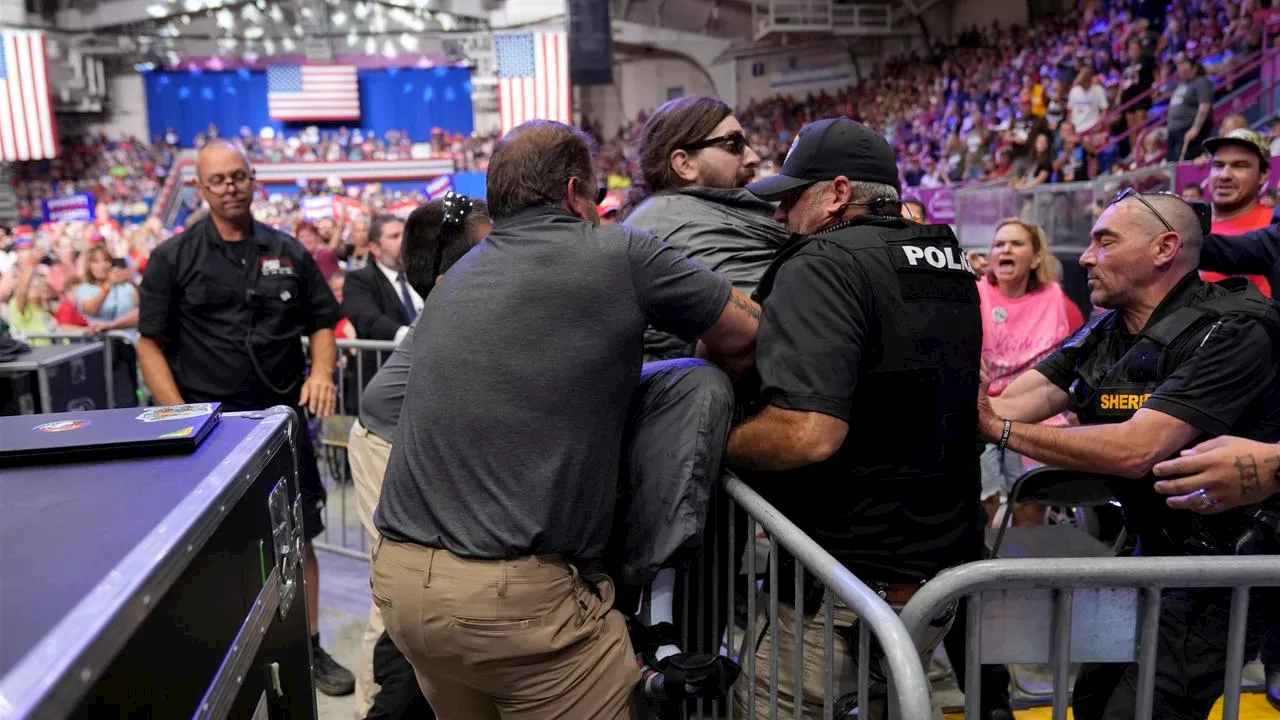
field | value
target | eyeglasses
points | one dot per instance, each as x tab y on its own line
1204	213
1131	193
735	143
218	183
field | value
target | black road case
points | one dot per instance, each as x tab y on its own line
55	378
160	587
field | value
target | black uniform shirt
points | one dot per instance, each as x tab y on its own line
820	333
1228	385
1224	384
230	318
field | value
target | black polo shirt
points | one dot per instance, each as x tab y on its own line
230	316
1223	384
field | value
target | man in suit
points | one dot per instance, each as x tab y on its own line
378	300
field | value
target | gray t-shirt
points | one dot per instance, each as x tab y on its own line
510	437
1186	100
728	230
382	398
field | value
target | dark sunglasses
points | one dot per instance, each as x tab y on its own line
1204	213
735	143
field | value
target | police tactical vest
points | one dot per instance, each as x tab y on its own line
1107	391
913	420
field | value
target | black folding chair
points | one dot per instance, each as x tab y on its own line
1053	487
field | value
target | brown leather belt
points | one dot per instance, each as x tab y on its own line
895	593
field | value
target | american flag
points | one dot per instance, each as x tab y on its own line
313	92
28	130
533	78
438	187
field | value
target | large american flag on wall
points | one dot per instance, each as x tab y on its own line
28	130
313	92
533	78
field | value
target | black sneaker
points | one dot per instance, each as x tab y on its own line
331	678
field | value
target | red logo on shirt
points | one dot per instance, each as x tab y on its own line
276	266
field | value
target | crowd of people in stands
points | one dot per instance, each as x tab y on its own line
1066	100
1100	90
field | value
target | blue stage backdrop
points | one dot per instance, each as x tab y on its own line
413	99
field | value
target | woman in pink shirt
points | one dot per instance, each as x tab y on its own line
1025	315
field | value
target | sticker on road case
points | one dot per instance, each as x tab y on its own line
176	412
184	432
62	426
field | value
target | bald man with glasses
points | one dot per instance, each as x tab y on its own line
223	309
1172	362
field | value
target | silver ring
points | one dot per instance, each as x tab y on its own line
1205	500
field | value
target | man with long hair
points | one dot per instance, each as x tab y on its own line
694	162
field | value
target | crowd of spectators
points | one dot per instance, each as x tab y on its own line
1066	100
124	176
975	108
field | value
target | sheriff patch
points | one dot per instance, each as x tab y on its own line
1121	402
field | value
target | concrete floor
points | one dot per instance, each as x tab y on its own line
344	607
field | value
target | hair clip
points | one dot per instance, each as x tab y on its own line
455	215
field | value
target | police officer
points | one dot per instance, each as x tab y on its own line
869	345
1173	361
223	308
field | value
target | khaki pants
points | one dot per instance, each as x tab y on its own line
368	456
844	665
520	639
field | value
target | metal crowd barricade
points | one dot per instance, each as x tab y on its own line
1069	610
108	340
343	533
718	562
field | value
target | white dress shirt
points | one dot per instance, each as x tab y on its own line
393	277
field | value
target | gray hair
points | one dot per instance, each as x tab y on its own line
864	192
860	192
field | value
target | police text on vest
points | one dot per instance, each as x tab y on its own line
940	258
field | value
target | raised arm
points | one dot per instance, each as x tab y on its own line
1253	253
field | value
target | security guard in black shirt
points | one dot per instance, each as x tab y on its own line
868	355
1173	361
223	308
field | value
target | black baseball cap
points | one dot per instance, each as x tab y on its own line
827	149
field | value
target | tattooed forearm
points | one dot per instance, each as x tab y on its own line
1272	466
745	304
1248	469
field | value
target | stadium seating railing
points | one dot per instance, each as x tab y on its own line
1071	610
1242	75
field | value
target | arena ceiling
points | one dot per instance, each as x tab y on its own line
161	31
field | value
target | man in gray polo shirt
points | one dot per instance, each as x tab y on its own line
504	469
